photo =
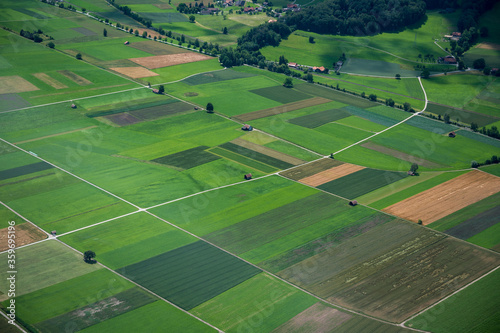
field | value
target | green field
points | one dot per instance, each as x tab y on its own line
361	182
456	314
188	158
190	275
45	264
319	118
281	94
128	240
274	162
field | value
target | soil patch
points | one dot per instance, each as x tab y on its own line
81	81
330	174
169	60
26	233
50	81
446	198
134	72
15	84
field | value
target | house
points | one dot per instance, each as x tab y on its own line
247	128
156	91
248	176
126	43
248	9
353	203
318	69
271	21
456	34
292	64
452	134
448	60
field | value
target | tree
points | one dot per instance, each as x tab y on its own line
372	97
484	32
494	159
136	32
210	108
144	34
89	256
282	60
161	89
311	40
105	32
288	82
406	106
79	56
51	45
446	118
420	222
309	78
389	102
474	127
398	76
461	65
192	18
425	74
363	94
224	31
487	71
414	168
479	63
474	164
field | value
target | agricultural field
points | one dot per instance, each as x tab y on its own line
309	222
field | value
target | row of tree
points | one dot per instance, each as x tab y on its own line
357	17
128	11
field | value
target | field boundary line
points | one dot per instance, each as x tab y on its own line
15	322
279	278
52	135
450	295
146	289
71	174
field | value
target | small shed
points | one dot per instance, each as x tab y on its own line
411	173
73	106
248	176
53	233
156	91
126	43
247	128
452	134
353	202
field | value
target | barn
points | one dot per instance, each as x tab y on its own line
248	176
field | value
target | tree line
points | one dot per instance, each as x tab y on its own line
357	17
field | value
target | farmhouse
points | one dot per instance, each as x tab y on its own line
247	128
353	203
271	21
292	64
318	69
447	60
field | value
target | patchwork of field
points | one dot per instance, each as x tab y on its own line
446	198
330	174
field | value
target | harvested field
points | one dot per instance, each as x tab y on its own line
489	46
446	198
134	72
169	60
24	170
476	224
310	168
75	78
281	109
189	158
317	318
267	151
26	233
319	118
122	119
15	84
157	48
50	81
401	155
331	174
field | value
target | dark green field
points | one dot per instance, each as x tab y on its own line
311	168
334	95
24	170
479	137
190	275
256	155
430	124
215	76
240	159
371	116
475	224
319	118
463	116
281	94
188	158
361	182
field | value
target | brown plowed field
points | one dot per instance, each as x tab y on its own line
26	233
330	174
310	169
134	72
281	109
15	84
446	198
75	78
169	59
267	151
